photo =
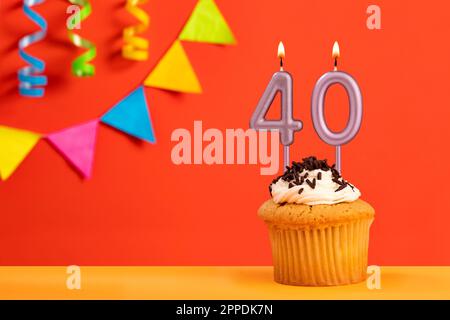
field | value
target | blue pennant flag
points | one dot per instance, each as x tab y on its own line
131	115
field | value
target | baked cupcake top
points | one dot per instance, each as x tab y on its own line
315	216
312	182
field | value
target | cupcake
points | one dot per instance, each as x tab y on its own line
318	226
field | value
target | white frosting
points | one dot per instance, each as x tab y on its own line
323	193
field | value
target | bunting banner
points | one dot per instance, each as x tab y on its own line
207	24
31	79
15	145
131	116
77	144
174	72
135	47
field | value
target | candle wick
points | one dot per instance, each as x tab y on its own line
281	64
335	64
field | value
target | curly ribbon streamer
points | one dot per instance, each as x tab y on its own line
81	66
135	48
30	78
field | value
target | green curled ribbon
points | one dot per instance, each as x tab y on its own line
81	66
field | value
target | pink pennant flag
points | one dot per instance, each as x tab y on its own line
77	144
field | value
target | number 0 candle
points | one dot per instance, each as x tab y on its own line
318	103
281	82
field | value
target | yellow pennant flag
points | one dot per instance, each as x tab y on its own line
206	24
174	72
15	145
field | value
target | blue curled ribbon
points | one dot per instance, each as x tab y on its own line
30	78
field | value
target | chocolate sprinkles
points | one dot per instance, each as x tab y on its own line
311	184
297	174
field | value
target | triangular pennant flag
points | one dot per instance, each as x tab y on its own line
174	72
206	24
77	145
131	115
15	145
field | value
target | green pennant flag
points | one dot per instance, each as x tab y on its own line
206	24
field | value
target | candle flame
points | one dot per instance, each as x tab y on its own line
336	51
281	53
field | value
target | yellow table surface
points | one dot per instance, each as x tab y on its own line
211	283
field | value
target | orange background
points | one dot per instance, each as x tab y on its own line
140	209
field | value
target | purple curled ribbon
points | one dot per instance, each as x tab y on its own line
31	79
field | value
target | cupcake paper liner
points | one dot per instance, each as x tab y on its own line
322	256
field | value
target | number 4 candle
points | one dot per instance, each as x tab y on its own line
318	102
281	82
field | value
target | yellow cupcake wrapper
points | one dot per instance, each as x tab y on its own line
135	47
332	255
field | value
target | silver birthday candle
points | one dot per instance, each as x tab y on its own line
318	105
281	82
